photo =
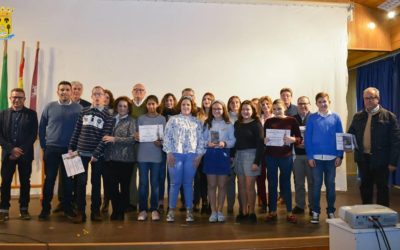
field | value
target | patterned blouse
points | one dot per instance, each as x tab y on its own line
183	134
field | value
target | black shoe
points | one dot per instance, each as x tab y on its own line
240	218
79	218
24	215
252	218
4	216
70	215
298	210
59	208
161	208
44	215
205	209
95	216
131	208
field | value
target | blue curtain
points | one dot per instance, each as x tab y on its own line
385	76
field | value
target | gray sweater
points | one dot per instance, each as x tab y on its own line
122	149
148	151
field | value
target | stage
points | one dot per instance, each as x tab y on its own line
59	233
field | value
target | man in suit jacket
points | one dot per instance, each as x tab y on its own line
18	133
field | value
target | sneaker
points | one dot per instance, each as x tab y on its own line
213	217
44	215
314	218
24	215
291	219
331	216
142	216
171	216
252	218
96	216
4	216
298	210
189	215
221	217
155	215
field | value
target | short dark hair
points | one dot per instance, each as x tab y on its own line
151	97
19	90
286	90
123	98
194	108
64	83
321	95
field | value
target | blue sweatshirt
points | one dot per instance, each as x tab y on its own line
57	124
320	135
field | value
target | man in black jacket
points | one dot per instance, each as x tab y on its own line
377	134
18	133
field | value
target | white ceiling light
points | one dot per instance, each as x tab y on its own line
389	5
391	14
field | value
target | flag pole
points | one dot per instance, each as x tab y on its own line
4	80
21	67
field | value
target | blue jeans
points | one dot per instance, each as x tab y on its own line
285	166
144	169
97	170
161	177
182	173
54	165
324	171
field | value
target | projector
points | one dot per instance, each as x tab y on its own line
361	216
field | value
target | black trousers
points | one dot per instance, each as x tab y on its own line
372	175
117	176
7	173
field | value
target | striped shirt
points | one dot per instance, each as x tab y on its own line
93	123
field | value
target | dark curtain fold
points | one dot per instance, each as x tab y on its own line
385	76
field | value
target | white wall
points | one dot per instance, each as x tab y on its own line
229	49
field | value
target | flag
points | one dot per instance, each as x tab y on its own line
34	80
4	81
21	68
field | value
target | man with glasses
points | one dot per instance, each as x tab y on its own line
138	109
18	132
93	124
378	138
301	170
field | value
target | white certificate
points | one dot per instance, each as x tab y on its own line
73	164
275	136
150	133
302	130
346	142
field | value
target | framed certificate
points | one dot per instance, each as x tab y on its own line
151	133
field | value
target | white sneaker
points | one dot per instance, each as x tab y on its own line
142	216
221	217
171	216
331	216
155	215
213	217
189	215
314	218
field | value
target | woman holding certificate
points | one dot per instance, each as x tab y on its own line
249	149
219	135
281	132
150	135
184	145
119	156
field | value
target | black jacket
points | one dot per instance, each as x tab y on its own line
385	137
26	137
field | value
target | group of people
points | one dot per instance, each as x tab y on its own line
202	150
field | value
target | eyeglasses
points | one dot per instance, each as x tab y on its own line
370	98
138	90
302	103
97	94
17	97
